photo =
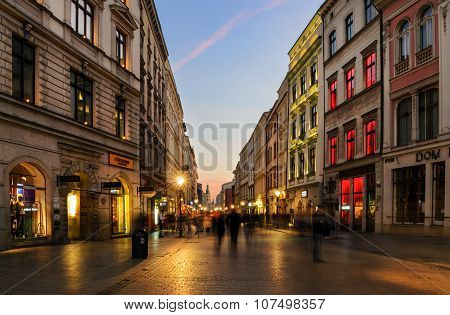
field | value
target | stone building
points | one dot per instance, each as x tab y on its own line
276	152
353	112
69	115
258	139
416	118
305	157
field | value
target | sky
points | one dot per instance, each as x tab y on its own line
229	58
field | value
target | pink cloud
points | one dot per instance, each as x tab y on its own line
224	31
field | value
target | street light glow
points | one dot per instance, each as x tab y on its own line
180	181
277	193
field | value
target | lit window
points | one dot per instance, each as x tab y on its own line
22	70
350	82
121	50
349	30
371	70
332	142
81	97
371	137
333	95
350	145
82	18
120	117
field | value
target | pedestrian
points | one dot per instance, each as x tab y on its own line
220	229
161	224
235	222
318	227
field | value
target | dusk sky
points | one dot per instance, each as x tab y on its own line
229	58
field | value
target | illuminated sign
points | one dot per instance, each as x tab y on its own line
120	161
304	193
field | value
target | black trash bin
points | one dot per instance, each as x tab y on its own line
140	244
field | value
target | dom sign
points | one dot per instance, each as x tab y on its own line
428	155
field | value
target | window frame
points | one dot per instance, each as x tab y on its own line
404	39
87	94
404	116
426	20
75	4
438	177
332	147
349	27
294	92
370	69
121	41
312	161
426	132
314	117
333	94
302	124
120	122
350	82
350	144
333	43
370	136
371	11
303	84
301	164
313	70
23	62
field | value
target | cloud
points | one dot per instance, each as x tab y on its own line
225	30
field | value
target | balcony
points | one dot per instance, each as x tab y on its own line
424	56
402	67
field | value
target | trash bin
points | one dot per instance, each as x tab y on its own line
140	244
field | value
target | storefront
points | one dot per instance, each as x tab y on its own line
417	200
120	207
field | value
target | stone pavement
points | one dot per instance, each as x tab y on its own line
267	262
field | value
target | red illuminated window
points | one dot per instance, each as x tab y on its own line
350	83
371	137
350	145
345	201
333	94
371	69
333	150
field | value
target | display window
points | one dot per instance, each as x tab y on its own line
120	209
345	201
358	205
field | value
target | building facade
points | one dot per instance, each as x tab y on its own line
353	112
305	136
258	138
416	146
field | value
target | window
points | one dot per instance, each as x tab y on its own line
332	143
345	201
371	11
294	129
314	116
404	122
426	29
333	45
403	41
303	84
82	18
350	83
302	124
409	195
120	117
371	69
22	70
350	139
438	191
294	93
121	50
292	167
312	161
349	31
333	95
301	164
314	73
81	97
358	204
371	137
428	114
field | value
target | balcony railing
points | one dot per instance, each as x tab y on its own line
402	67
424	56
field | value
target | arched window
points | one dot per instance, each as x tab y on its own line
426	28
403	41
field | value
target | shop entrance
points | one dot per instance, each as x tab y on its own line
80	202
120	208
27	202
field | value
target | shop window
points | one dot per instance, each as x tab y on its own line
403	41
350	83
426	28
371	70
312	161
404	122
82	13
313	73
314	116
292	167
121	48
371	11
371	137
438	192
428	114
81	97
332	43
358	205
349	27
120	117
22	70
332	143
333	95
301	164
303	84
120	210
409	195
345	201
350	139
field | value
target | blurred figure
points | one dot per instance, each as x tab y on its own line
235	222
249	228
318	227
220	229
161	224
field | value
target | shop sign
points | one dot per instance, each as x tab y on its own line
120	161
67	179
111	185
304	193
428	155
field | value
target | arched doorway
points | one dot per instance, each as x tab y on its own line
27	201
80	202
120	208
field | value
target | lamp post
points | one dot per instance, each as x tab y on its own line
277	193
180	183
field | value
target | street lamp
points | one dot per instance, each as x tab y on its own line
277	193
180	183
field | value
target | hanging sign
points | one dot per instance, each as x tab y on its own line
111	185
120	161
67	179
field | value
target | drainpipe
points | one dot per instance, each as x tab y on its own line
382	114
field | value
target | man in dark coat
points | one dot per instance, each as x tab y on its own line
318	229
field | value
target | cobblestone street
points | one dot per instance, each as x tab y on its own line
268	262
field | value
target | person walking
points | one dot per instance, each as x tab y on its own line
235	222
220	229
318	227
